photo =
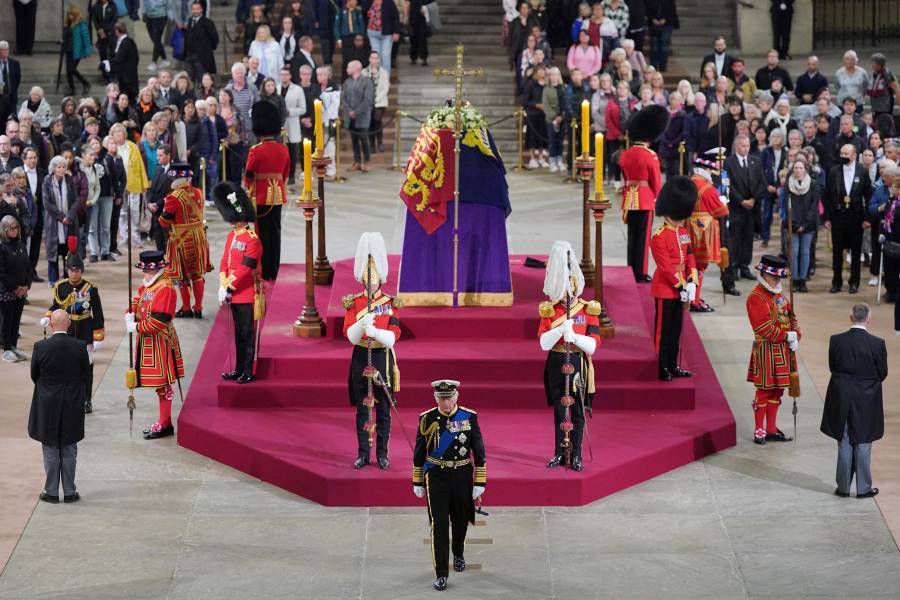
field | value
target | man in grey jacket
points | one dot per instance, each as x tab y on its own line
359	97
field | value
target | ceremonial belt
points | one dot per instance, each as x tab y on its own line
448	464
637	182
376	345
74	317
268	176
561	347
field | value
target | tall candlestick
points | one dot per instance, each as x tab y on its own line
307	167
598	162
320	138
585	127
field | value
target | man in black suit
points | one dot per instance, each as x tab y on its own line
303	56
156	195
200	42
60	368
10	77
782	12
771	70
26	23
721	59
748	186
123	62
104	16
854	411
35	177
847	193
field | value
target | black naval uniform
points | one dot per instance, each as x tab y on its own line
82	302
447	447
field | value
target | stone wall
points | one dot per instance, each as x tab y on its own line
755	27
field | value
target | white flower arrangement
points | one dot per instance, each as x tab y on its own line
444	118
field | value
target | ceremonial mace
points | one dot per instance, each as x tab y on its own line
567	369
370	370
794	377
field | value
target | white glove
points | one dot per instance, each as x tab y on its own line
692	291
683	295
98	344
419	491
723	199
793	340
223	294
371	331
45	322
477	491
368	321
130	325
569	336
105	64
569	325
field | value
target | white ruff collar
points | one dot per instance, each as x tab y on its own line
765	284
154	278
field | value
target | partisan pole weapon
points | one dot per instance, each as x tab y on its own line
794	376
724	180
370	370
567	370
131	373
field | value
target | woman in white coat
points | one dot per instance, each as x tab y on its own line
267	50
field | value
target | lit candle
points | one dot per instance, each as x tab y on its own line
307	167
585	127
320	137
598	162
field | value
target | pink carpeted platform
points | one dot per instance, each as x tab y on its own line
294	427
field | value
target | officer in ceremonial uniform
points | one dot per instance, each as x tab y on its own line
776	335
704	225
268	166
81	299
372	325
675	279
449	469
157	362
239	282
641	172
187	249
569	332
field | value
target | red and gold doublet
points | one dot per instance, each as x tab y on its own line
187	250
268	166
384	308
239	268
158	359
703	224
641	172
675	261
585	315
771	317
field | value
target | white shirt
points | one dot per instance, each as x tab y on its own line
742	160
849	173
720	62
858	326
777	155
164	92
32	181
119	43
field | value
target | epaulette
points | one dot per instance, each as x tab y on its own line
592	308
545	309
659	229
397	301
422	414
348	300
468	410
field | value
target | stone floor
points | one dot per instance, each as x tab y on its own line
157	521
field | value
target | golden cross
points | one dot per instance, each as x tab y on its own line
458	73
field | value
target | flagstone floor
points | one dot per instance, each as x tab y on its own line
157	521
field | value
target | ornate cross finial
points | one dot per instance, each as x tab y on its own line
458	73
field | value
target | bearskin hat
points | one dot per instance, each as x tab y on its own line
648	124
266	119
233	203
676	198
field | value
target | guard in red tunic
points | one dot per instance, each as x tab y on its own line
776	335
675	279
704	226
641	172
268	166
187	249
239	282
372	325
158	362
569	332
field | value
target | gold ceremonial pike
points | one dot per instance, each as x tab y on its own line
458	73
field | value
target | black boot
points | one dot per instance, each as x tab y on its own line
360	461
459	564
383	463
577	465
231	375
555	462
440	584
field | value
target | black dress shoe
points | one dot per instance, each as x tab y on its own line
231	375
577	465
554	462
459	564
835	289
853	288
759	440
360	462
161	433
440	584
778	436
665	375
746	274
73	498
679	372
841	494
383	463
48	498
198	314
88	407
870	494
246	378
184	314
732	291
643	279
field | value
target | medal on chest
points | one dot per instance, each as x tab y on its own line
457	426
238	245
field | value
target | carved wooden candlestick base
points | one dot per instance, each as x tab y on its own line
309	324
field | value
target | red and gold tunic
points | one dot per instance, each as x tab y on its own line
771	317
387	317
641	172
158	360
585	315
187	250
268	166
239	268
675	262
703	223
